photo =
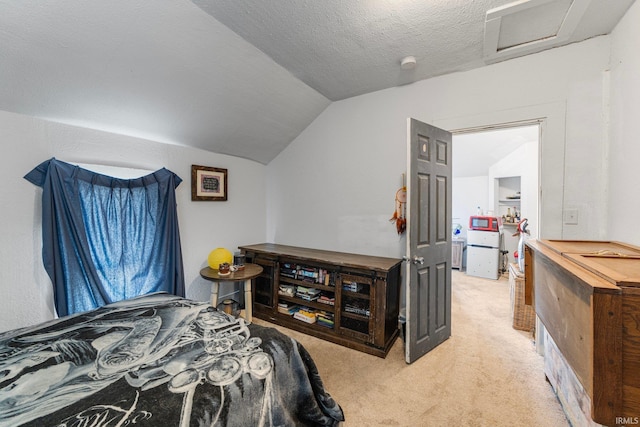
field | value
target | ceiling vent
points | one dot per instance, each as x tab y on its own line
529	26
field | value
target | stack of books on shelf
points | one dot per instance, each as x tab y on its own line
324	318
327	299
288	308
352	286
289	270
305	314
307	274
307	294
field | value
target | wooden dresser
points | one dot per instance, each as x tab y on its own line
586	294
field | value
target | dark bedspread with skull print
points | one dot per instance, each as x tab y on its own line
158	360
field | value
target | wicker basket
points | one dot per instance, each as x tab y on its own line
523	315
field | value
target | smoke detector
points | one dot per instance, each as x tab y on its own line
408	63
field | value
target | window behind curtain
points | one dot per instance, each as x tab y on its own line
107	239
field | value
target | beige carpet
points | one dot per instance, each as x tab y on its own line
486	374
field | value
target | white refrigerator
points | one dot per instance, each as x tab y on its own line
483	253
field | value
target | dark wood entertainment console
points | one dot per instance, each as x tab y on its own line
349	299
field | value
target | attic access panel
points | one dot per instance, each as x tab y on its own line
525	27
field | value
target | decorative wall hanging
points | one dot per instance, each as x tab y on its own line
208	183
399	215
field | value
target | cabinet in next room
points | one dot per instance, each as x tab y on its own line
508	207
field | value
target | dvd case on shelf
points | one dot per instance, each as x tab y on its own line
326	299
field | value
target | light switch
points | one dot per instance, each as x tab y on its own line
571	216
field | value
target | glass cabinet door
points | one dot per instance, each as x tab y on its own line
356	305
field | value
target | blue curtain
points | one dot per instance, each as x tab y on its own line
107	239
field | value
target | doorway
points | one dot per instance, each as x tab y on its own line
496	173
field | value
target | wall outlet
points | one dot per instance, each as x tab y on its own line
571	216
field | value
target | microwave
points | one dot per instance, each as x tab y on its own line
485	223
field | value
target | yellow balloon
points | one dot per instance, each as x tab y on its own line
219	256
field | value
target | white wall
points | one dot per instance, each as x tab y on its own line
333	187
469	193
26	142
624	151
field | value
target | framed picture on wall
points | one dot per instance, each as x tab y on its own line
208	183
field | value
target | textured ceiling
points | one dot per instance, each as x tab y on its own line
245	77
347	48
344	48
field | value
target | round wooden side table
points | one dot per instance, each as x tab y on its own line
250	271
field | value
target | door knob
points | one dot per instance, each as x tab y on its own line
418	260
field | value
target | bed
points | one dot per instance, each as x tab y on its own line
158	360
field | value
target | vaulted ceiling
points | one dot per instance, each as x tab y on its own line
245	77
